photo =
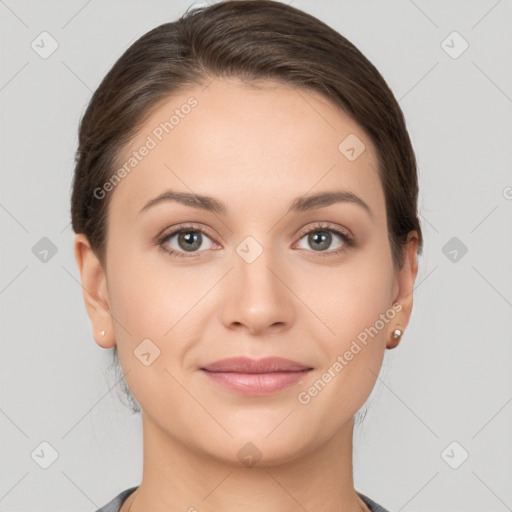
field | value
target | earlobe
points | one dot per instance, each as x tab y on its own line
94	290
405	279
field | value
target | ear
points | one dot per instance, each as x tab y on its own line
405	279
95	293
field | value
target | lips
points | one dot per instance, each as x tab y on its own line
247	365
255	377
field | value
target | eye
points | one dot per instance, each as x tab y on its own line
186	241
183	240
320	237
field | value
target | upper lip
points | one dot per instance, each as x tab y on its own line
248	365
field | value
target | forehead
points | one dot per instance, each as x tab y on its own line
238	140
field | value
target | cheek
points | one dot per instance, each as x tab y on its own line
357	307
354	297
150	312
358	310
149	297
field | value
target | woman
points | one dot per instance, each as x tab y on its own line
245	210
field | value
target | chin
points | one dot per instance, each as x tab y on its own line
256	448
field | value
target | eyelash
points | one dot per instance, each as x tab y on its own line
348	241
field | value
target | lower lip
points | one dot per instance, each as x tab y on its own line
256	383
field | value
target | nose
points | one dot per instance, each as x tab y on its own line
258	296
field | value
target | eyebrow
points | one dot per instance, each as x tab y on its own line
300	204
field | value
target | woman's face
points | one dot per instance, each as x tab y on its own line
256	272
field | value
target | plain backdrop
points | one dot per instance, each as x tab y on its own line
437	433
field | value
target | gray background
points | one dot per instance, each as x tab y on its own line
450	378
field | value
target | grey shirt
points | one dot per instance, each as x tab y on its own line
115	504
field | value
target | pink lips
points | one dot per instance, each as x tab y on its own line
255	376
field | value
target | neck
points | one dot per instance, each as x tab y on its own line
176	478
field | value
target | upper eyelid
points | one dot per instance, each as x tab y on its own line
190	227
327	226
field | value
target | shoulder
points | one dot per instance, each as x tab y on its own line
372	505
115	504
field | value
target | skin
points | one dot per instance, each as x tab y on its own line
271	144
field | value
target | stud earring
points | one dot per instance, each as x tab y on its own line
396	334
102	333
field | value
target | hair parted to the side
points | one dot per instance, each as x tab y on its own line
252	40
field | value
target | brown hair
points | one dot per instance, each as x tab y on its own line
252	40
